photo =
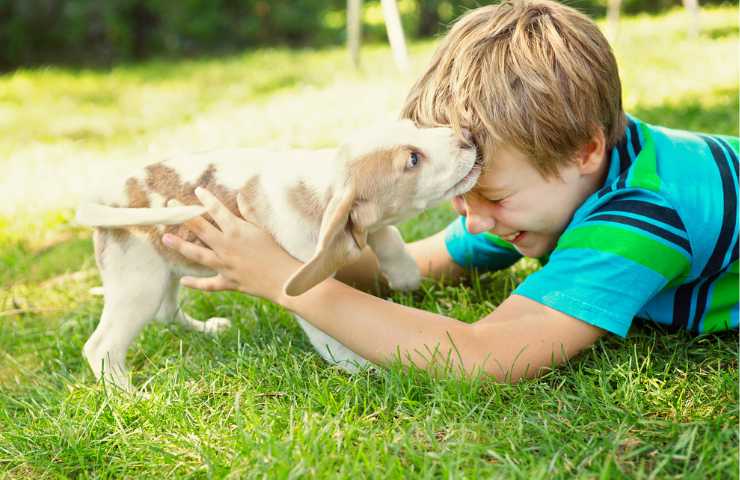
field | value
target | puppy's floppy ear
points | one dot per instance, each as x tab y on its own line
338	244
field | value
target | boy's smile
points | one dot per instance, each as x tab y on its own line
515	202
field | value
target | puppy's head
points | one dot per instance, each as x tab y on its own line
387	174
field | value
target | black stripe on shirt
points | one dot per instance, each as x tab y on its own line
729	216
650	210
682	305
734	163
648	227
625	161
702	300
636	147
730	152
604	191
620	181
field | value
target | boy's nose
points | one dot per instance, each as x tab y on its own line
477	223
477	219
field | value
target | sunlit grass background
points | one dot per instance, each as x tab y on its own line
257	400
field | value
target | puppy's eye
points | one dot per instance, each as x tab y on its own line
413	160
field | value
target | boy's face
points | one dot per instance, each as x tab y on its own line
514	201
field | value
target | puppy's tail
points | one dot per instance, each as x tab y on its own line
97	215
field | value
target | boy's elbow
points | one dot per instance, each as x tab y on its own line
494	354
479	355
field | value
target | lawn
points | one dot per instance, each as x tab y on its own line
257	401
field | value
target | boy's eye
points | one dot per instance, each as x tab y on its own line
413	160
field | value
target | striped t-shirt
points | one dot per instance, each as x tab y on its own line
658	241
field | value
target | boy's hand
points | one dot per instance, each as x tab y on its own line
244	257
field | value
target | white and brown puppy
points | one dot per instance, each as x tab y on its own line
322	206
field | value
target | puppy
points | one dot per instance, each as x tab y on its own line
322	206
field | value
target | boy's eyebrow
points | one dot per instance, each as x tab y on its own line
492	190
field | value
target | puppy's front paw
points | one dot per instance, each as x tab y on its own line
402	274
216	325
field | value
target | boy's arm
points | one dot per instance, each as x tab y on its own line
517	340
430	254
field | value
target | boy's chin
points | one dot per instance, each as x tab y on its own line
534	247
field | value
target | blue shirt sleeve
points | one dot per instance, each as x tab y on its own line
483	251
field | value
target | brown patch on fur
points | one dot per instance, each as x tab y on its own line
257	208
137	196
374	170
306	202
165	181
383	172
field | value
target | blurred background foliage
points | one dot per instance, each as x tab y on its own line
105	32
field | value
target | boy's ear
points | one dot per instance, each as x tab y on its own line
591	156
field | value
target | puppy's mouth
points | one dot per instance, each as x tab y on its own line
468	180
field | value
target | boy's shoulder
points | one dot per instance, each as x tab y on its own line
672	188
669	162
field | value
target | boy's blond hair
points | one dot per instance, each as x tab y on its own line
532	74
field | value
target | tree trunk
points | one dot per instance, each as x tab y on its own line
693	8
354	30
612	19
395	34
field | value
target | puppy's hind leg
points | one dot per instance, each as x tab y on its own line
331	349
134	277
170	311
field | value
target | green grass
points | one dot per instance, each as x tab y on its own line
257	401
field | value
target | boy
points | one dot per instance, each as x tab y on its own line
634	220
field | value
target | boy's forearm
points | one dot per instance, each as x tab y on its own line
377	329
434	260
508	345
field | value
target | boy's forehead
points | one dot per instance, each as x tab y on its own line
491	182
505	164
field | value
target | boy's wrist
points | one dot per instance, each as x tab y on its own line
293	303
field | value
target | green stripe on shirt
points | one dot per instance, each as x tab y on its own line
645	169
652	254
724	298
733	141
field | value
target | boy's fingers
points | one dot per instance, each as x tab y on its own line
243	206
196	253
209	284
203	229
216	209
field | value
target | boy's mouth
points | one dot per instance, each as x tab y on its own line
514	237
